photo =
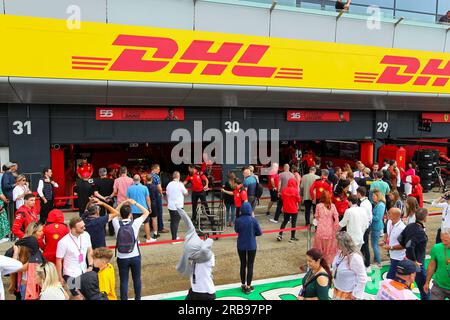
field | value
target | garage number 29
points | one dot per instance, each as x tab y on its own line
382	127
21	127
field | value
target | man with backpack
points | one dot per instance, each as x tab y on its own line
127	249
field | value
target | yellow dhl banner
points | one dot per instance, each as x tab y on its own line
48	48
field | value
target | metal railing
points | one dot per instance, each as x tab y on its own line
392	12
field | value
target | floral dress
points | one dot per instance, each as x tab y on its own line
327	226
4	224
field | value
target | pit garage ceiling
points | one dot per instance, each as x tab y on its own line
61	91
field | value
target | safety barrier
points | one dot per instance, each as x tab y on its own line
230	235
217	236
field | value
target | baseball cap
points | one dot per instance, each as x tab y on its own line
407	267
10	164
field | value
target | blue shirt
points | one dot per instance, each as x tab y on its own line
96	229
377	218
156	179
138	193
153	190
250	183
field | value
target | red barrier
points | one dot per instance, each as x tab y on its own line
218	236
230	235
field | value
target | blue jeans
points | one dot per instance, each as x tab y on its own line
159	212
230	207
392	269
420	281
23	288
375	237
124	266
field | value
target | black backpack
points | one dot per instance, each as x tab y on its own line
125	238
259	190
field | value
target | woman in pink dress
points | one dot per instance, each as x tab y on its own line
327	225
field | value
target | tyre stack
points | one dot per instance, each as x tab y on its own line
426	161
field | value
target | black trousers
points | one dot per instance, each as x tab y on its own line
45	209
438	236
247	259
308	206
202	196
200	296
174	223
278	210
365	248
287	217
252	201
238	212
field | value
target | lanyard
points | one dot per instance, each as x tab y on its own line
79	248
392	229
338	264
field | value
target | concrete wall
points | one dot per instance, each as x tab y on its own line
253	19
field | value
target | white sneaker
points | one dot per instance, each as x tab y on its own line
4	240
369	269
272	220
178	238
150	240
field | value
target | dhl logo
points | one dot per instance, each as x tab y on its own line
198	51
402	70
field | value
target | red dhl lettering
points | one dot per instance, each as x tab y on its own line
198	51
403	70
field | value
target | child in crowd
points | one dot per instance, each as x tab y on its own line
106	277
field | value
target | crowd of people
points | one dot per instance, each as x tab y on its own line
349	208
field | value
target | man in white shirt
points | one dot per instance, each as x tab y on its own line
71	254
365	203
443	203
394	228
132	260
175	192
356	221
